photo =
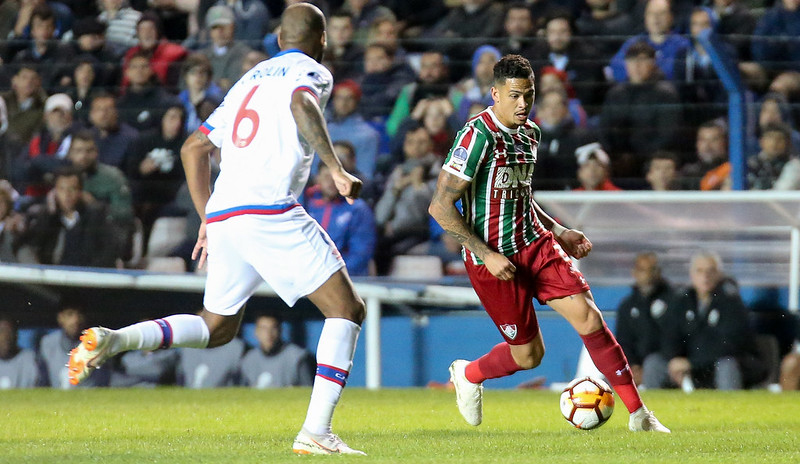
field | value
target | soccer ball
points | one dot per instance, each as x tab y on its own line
587	403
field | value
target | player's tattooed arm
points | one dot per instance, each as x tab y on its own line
311	126
449	189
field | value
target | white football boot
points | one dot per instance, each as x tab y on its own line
91	353
469	396
329	443
643	420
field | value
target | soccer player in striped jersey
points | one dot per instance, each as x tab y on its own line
515	252
268	127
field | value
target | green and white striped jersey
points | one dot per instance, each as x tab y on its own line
499	162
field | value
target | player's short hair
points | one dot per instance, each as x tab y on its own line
512	67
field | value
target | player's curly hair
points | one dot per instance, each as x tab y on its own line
512	67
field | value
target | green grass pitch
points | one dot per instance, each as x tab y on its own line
173	425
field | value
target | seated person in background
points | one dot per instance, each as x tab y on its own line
165	56
771	168
435	114
18	368
154	167
48	147
12	225
402	211
54	349
346	123
112	136
774	108
640	319
711	167
382	82
774	43
350	226
519	32
24	106
199	85
44	52
343	52
707	337
275	363
89	44
550	80
225	53
75	232
594	169
211	367
86	84
477	87
144	100
661	172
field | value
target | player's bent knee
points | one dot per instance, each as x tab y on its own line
529	362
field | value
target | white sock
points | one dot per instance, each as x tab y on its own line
335	350
179	330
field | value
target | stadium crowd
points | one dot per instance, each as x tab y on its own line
96	99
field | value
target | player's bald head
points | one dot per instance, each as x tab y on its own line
302	23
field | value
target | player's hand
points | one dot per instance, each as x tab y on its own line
348	185
499	265
201	247
574	243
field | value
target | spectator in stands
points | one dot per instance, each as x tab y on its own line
350	226
575	57
345	55
774	109
165	56
146	369
477	88
198	86
432	82
640	322
85	86
54	349
25	107
641	116
18	367
402	211
345	123
710	169
120	20
386	31
604	24
736	25
555	163
774	43
252	58
553	80
75	231
661	172
364	14
435	115
417	15
224	53
700	88
383	80
48	148
658	22
43	52
89	44
594	169
276	363
471	19
144	101
23	22
12	226
211	367
252	19
771	167
707	337
112	136
787	84
154	167
519	33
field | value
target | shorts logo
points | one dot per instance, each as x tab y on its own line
458	158
510	330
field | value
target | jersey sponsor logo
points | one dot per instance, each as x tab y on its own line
458	159
318	80
512	182
510	330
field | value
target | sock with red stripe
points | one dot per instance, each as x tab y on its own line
611	361
498	362
179	330
335	350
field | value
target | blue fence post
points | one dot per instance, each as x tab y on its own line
728	73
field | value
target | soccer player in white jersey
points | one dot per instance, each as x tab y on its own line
515	252
268	127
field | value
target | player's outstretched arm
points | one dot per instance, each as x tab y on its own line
449	189
573	241
196	165
311	125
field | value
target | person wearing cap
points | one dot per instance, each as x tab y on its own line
641	116
225	53
48	148
346	123
165	56
594	169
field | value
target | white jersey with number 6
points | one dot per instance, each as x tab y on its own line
265	163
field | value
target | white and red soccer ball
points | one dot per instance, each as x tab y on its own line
587	403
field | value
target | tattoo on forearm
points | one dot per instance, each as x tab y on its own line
311	126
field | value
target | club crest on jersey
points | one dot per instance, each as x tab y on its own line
510	330
458	158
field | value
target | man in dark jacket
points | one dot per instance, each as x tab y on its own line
708	341
640	320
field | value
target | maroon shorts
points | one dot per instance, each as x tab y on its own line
544	271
